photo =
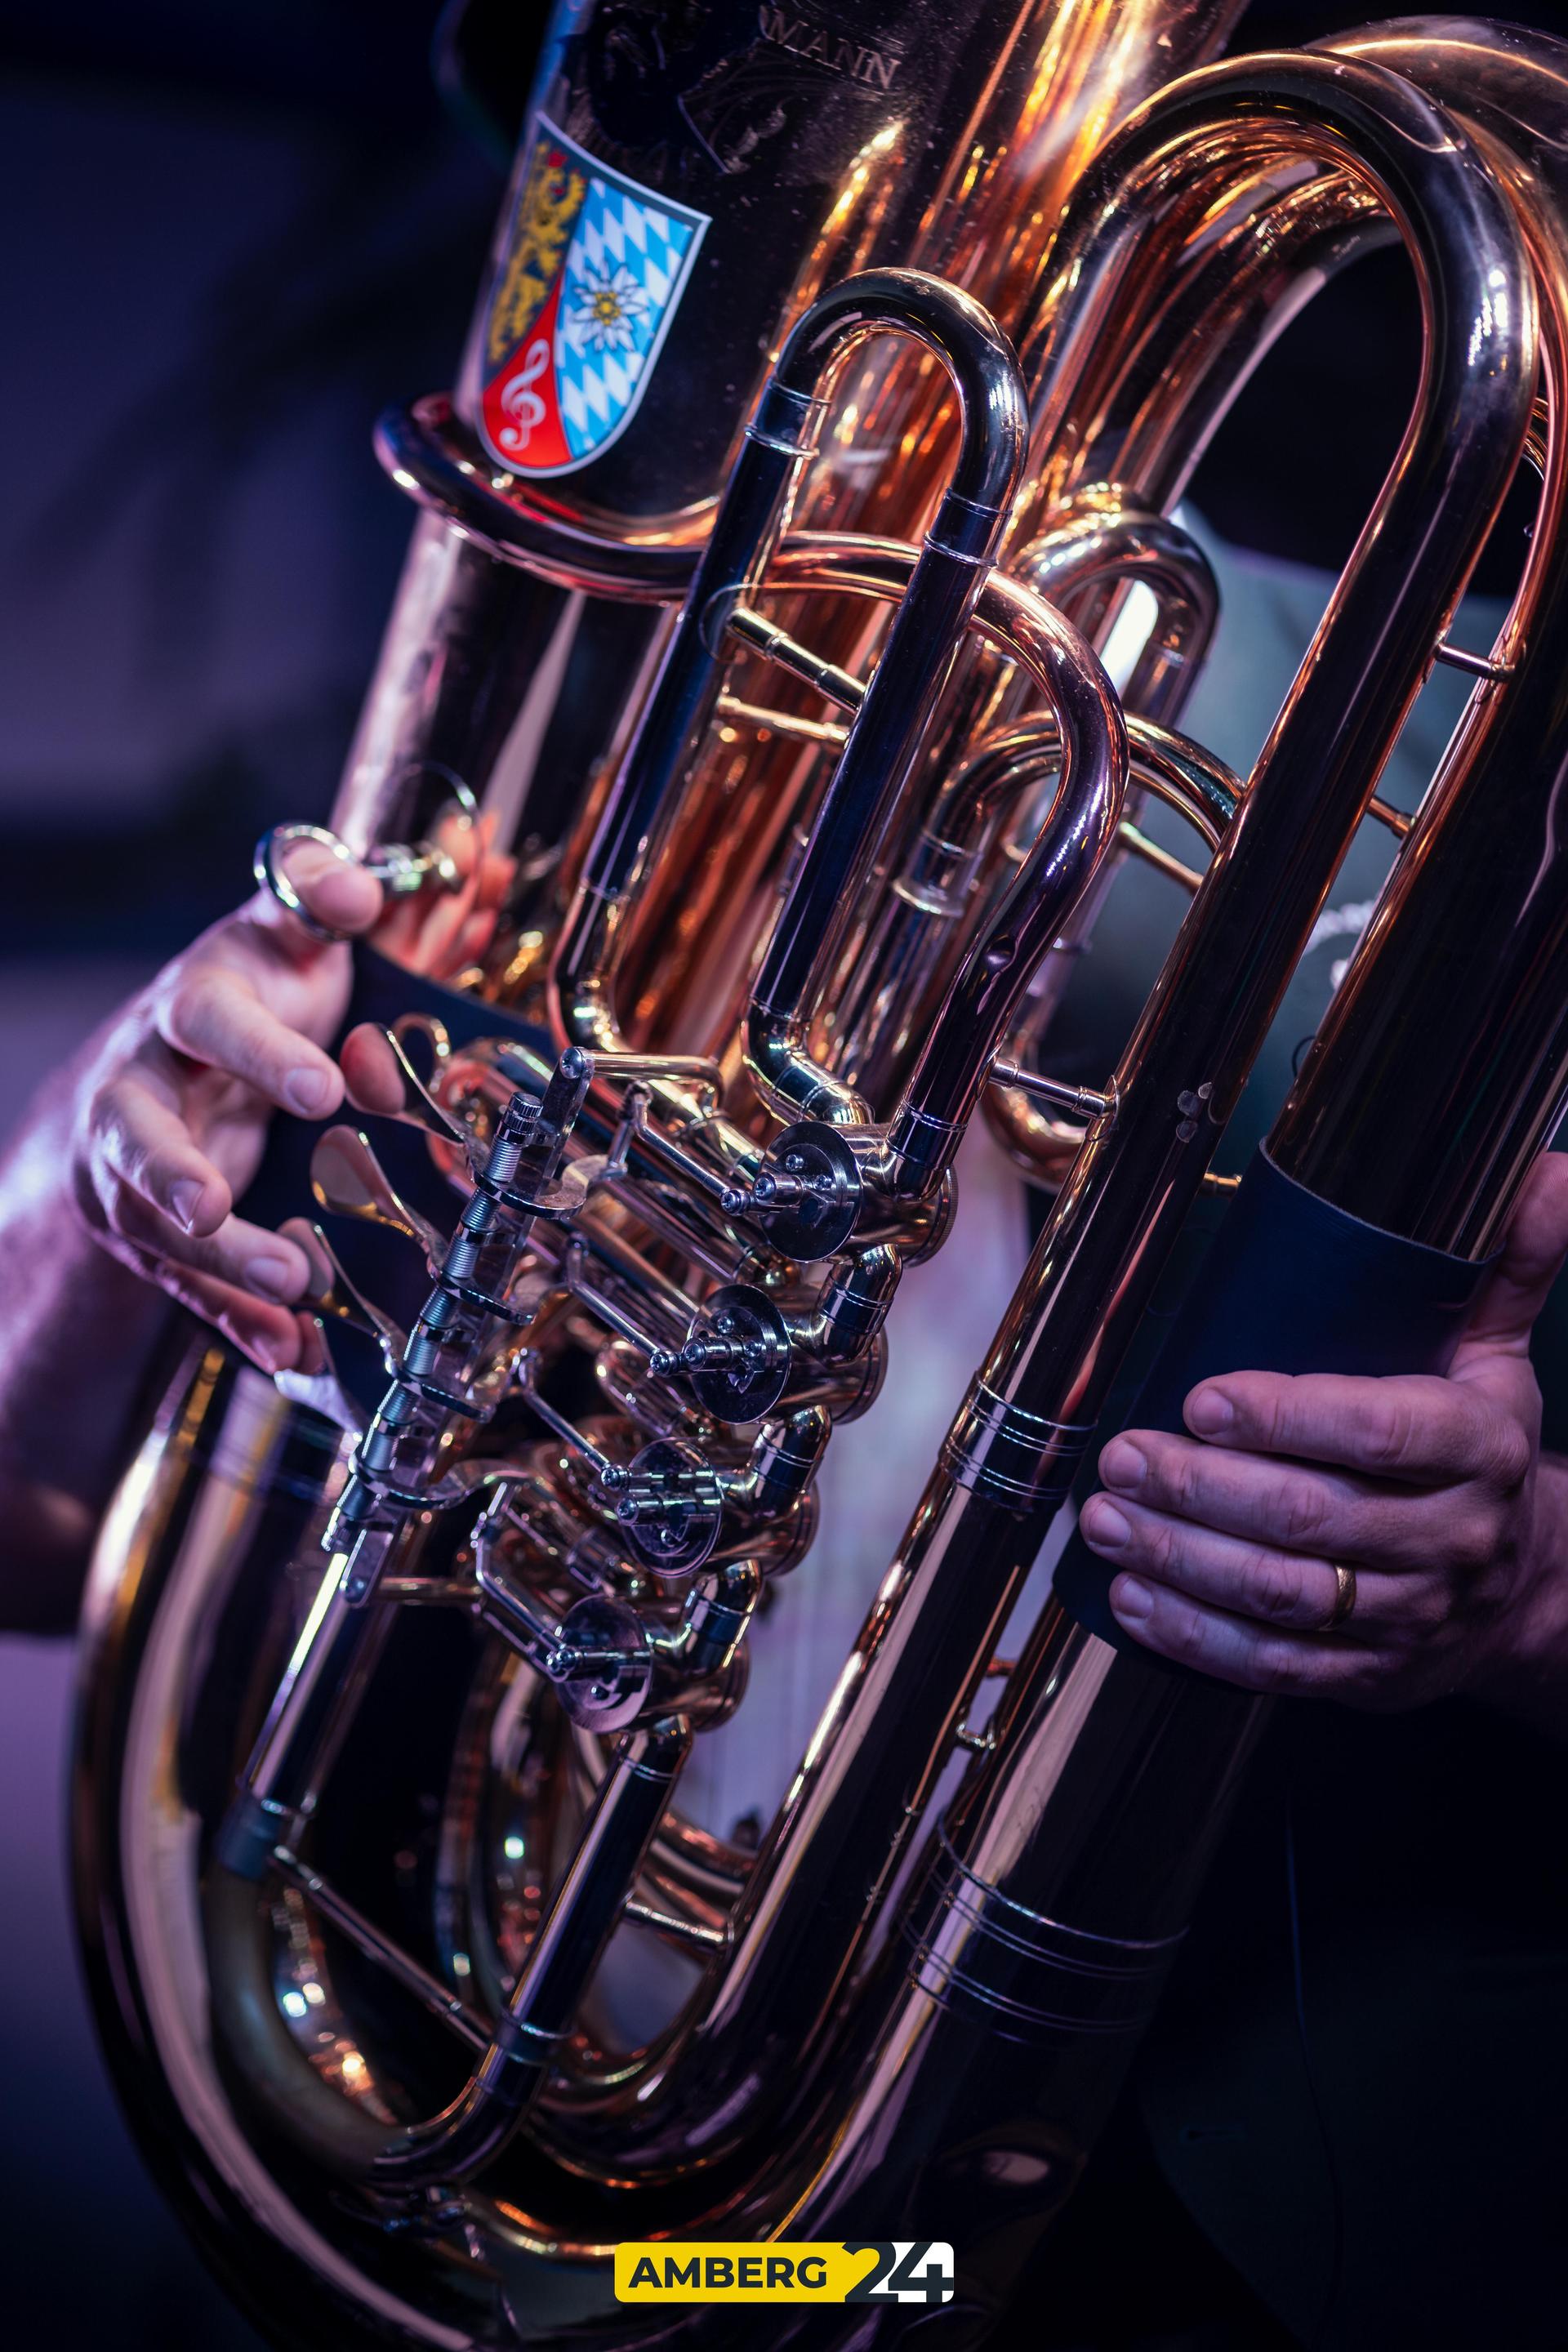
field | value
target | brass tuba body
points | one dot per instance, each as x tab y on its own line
784	706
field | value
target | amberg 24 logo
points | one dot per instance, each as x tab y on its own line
860	2270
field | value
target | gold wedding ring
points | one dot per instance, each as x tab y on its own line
1344	1597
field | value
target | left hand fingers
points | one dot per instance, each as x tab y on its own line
1293	1590
273	1336
1255	1657
1297	1506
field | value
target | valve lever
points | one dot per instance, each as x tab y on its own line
333	1291
419	1107
349	1181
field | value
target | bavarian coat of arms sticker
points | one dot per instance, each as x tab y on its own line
591	272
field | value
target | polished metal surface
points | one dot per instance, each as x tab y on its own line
783	722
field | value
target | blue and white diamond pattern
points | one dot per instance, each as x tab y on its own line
624	269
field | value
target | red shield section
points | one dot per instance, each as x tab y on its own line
521	415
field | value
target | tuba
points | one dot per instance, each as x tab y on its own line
816	445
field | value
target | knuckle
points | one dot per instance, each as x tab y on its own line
1474	1540
186	1005
1303	1509
1382	1683
1434	1607
1184	1481
1277	1664
1161	1544
1183	1635
104	1116
1274	1585
134	1160
181	990
1512	1454
1271	1414
1386	1431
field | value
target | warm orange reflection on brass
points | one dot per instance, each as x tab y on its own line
834	2056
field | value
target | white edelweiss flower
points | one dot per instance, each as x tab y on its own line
608	304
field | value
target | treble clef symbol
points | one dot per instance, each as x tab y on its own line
519	399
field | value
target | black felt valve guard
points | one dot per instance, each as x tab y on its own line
1292	1283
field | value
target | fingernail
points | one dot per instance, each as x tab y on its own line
1121	1464
185	1200
1103	1524
1208	1411
273	1277
306	1091
266	1354
1132	1599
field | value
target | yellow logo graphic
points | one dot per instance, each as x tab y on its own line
901	2270
547	209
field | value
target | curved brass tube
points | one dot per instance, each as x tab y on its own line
804	1915
797	1928
897	966
942	592
808	2086
1200	788
1089	1736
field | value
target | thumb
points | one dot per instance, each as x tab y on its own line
333	887
1534	1248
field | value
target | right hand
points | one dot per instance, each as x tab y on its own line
173	1104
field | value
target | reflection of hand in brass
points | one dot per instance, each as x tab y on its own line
438	931
171	1112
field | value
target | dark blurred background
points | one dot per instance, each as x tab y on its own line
232	233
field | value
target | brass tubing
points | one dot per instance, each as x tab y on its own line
1245	245
889	723
306	1726
1100	546
584	1913
780	437
1267	880
428	1990
1088	1737
1199	787
963	1557
1007	616
959	166
896	968
951	1068
985	995
1011	1454
814	1891
1469	940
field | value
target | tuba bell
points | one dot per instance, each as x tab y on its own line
825	414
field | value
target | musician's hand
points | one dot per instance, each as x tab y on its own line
173	1105
1427	1487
